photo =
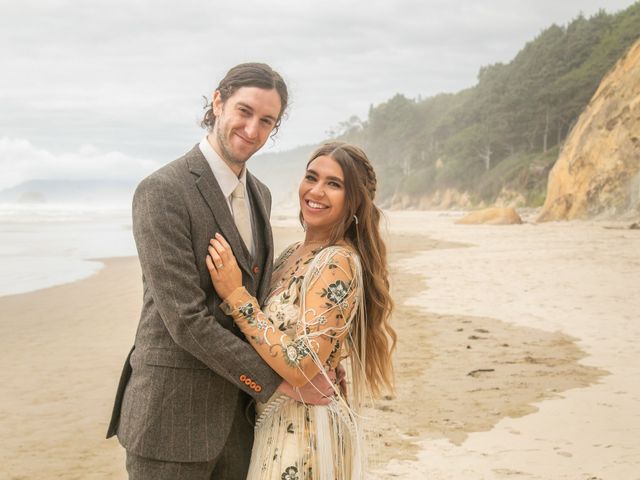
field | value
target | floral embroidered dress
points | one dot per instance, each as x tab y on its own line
305	327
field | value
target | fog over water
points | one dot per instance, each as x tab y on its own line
42	246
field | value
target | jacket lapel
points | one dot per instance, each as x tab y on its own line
266	242
210	190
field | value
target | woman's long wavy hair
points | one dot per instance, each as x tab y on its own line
360	227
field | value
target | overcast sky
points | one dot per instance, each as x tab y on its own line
114	89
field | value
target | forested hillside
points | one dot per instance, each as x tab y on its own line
496	141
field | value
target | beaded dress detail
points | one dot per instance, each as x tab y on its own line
306	327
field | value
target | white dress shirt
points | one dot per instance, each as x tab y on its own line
226	178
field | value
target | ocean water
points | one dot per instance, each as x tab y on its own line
46	245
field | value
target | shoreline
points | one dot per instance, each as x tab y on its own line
86	266
92	268
63	351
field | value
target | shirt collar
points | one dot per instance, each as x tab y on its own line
227	180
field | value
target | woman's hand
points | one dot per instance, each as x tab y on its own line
223	268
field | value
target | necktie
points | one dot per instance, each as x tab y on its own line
241	215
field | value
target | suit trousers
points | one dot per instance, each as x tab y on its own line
231	464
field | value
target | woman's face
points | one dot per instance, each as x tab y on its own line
322	194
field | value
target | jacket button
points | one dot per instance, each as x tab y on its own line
253	385
243	378
256	269
247	382
258	388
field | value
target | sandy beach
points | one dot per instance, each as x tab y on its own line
547	317
517	357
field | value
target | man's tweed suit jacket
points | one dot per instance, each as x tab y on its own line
190	365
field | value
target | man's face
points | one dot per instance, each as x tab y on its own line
244	123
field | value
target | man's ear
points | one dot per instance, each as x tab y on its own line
217	103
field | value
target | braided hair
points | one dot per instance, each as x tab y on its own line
359	226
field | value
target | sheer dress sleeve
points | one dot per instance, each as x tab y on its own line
328	303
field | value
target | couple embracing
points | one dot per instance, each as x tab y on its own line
238	368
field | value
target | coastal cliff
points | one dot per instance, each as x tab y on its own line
598	170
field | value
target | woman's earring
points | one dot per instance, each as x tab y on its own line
356	219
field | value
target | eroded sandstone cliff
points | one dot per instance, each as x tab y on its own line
598	170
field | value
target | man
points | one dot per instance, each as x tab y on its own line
184	396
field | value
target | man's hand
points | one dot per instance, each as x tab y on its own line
341	380
318	391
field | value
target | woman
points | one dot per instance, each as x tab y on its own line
319	312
